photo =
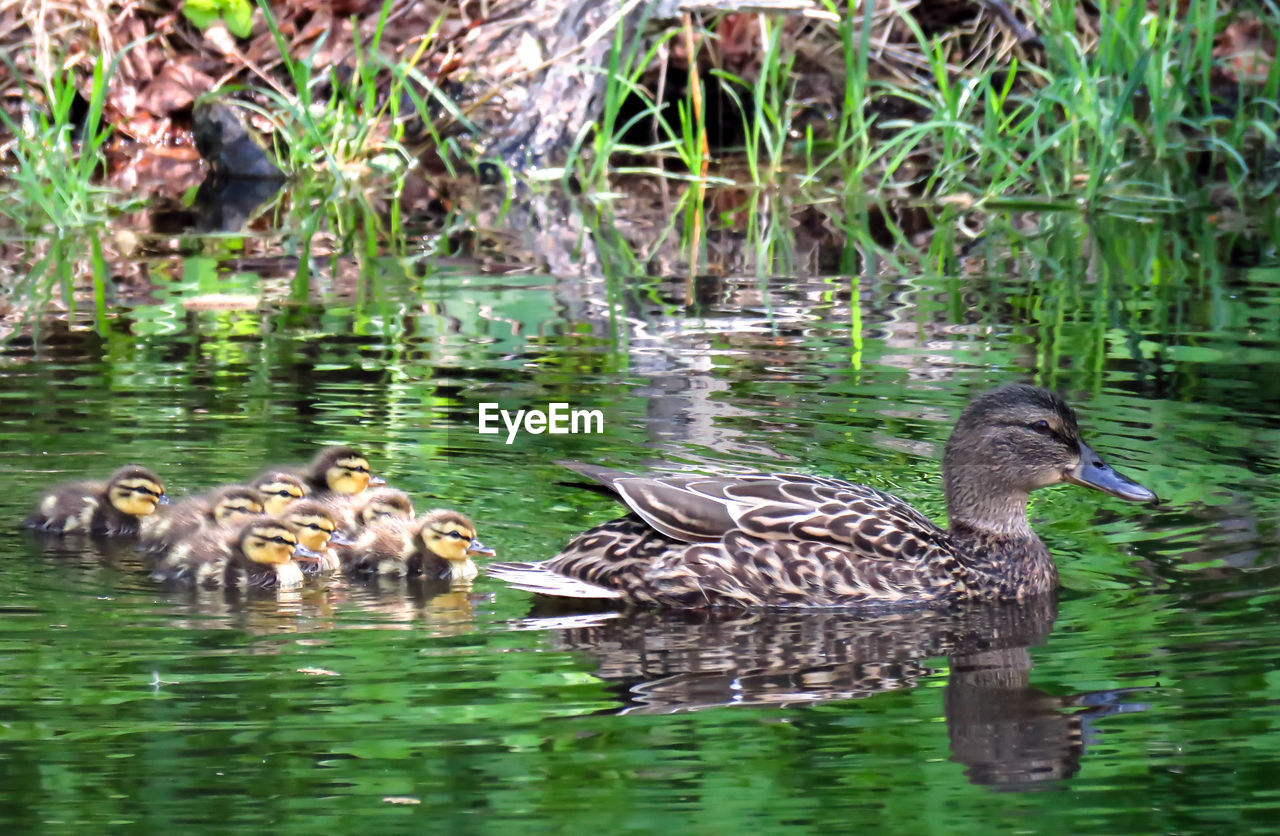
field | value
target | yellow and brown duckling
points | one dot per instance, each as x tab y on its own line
278	489
197	514
338	470
357	512
316	525
756	541
438	545
112	507
257	554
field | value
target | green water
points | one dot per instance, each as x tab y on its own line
1147	702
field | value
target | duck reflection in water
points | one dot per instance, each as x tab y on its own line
1005	732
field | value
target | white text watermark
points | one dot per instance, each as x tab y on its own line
556	419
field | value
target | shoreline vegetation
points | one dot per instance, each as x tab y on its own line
505	133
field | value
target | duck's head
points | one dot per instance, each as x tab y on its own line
384	502
236	503
343	469
1011	441
135	491
267	541
450	535
279	489
314	522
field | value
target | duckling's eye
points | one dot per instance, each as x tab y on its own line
1042	427
458	535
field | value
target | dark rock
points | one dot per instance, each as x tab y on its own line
227	145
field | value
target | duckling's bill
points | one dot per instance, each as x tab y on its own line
305	555
1092	472
478	549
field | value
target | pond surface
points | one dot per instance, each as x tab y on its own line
1144	700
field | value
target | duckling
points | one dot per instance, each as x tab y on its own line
279	488
338	470
257	554
196	514
357	512
758	541
438	545
112	507
315	523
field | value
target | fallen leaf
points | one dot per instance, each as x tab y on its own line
1245	50
317	671
174	89
401	799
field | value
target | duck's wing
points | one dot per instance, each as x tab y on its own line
702	509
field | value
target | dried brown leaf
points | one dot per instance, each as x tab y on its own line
175	88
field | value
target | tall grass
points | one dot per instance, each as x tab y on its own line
57	158
1123	120
353	125
1116	113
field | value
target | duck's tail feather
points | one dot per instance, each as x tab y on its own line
532	577
603	475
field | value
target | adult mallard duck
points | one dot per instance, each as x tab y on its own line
279	488
112	507
258	554
437	545
196	514
808	541
338	470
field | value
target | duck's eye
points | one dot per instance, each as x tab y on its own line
1042	427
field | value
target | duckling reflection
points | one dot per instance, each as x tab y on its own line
393	602
1005	732
255	611
92	559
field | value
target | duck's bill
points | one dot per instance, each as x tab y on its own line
1093	472
337	538
480	549
163	500
376	481
302	554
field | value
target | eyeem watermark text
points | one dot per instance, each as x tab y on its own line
556	419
